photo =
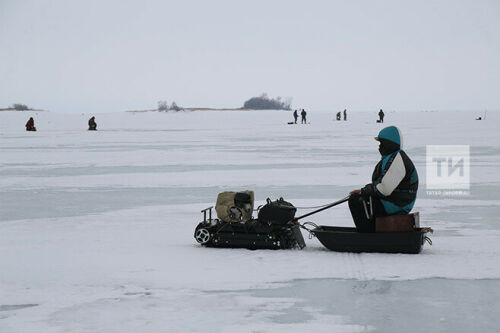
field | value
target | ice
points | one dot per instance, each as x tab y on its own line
96	228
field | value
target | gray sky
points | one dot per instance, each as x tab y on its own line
99	56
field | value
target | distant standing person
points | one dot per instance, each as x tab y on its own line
30	125
303	114
381	116
338	116
92	124
345	114
295	116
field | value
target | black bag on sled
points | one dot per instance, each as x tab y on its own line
277	212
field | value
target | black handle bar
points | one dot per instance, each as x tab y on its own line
323	208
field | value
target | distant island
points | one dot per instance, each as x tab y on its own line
20	107
262	102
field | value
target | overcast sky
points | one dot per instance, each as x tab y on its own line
100	56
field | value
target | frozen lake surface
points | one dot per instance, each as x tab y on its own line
96	228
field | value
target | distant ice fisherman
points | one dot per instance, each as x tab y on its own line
381	115
30	125
303	114
92	124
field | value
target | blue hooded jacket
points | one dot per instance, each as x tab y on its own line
395	178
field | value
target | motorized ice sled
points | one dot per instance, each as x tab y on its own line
235	226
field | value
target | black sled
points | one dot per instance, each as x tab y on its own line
253	234
403	236
345	239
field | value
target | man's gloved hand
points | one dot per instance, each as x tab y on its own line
368	190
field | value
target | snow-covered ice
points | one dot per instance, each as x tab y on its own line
96	228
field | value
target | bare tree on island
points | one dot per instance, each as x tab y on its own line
162	106
20	107
175	107
263	102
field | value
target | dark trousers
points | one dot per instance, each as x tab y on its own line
362	222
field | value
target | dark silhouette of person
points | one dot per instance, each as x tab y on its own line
295	116
381	115
393	190
303	114
30	125
338	116
92	124
345	114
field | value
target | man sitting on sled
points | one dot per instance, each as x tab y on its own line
394	185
